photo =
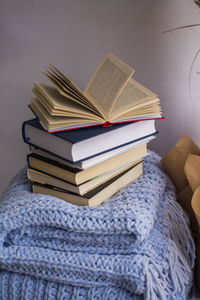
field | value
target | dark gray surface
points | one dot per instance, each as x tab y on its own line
194	294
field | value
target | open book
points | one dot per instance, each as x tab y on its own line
111	96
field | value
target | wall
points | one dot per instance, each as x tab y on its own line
75	35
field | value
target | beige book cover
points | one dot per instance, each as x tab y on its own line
81	189
77	176
98	195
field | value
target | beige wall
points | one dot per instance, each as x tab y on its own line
74	35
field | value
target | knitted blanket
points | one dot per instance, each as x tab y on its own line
137	245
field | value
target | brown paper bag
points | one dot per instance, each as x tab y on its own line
173	162
192	171
196	204
182	163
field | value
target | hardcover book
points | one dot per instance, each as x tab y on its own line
111	96
80	189
86	143
77	176
98	195
87	163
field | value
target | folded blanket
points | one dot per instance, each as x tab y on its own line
136	245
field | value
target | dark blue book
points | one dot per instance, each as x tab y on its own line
81	144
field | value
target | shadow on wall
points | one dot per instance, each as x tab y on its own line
197	55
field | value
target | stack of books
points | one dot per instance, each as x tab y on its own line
86	146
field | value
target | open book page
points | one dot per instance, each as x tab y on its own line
65	86
61	89
151	110
133	94
150	105
107	82
62	113
49	120
66	83
68	89
57	104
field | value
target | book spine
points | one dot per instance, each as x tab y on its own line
28	161
24	133
26	140
107	124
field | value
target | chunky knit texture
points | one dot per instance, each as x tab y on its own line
137	245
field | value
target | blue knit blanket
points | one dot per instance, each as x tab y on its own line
137	245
